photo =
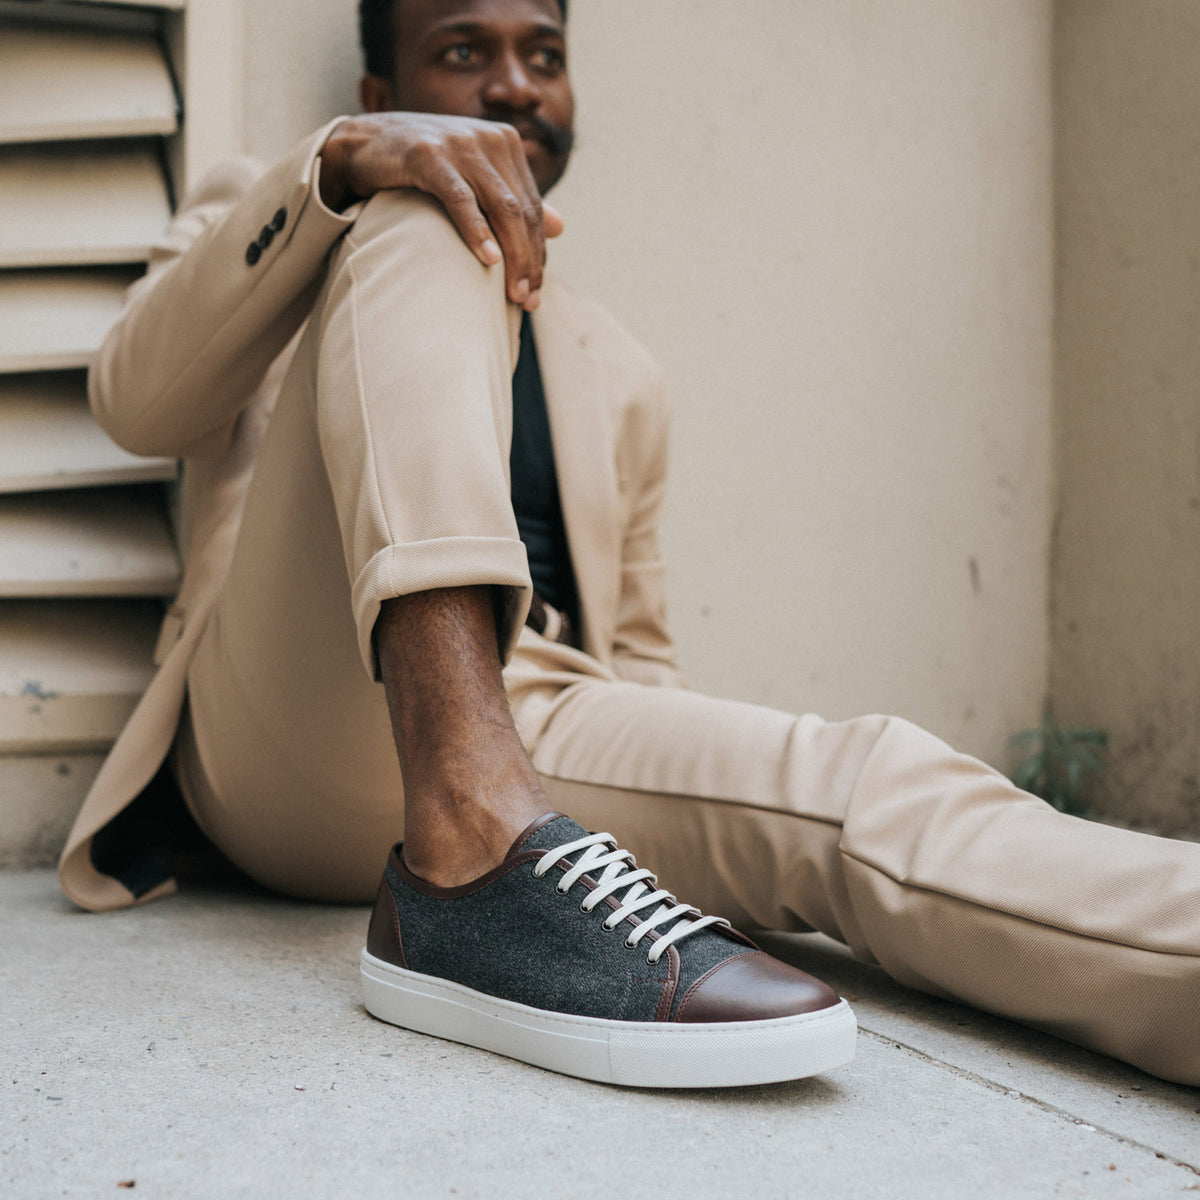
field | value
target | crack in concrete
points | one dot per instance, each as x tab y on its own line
993	1085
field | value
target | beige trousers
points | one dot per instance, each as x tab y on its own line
375	478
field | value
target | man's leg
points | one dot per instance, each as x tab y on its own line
377	541
877	833
469	787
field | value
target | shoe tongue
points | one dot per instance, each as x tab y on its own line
555	832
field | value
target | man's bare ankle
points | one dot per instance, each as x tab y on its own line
449	845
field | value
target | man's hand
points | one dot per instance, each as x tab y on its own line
476	169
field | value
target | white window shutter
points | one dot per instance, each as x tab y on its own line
98	203
59	82
50	440
91	113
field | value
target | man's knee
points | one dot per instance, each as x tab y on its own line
411	230
402	270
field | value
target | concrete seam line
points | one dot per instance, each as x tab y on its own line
1003	1089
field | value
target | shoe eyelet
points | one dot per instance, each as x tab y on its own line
607	926
582	909
630	945
562	891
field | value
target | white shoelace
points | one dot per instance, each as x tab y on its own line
621	871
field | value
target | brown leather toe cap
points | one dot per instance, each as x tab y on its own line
753	987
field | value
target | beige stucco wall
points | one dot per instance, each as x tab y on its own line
1127	563
831	221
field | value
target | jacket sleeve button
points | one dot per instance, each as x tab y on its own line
279	220
266	235
253	253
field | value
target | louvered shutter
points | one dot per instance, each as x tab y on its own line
90	115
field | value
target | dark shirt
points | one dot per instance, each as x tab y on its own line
535	495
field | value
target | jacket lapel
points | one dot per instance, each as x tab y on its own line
583	439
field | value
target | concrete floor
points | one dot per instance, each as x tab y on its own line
214	1045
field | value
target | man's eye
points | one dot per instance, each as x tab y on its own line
458	55
550	59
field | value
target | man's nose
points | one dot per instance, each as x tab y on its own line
511	85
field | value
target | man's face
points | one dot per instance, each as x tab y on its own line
502	60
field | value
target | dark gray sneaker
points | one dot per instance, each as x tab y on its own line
570	957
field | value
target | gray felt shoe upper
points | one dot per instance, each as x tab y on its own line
512	934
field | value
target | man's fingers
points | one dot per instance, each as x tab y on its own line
515	216
534	214
477	171
552	221
456	195
512	204
495	222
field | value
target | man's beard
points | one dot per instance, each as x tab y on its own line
558	140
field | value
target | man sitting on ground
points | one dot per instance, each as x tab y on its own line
407	467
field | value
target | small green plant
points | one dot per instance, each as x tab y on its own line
1057	762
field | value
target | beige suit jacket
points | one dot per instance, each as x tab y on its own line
192	369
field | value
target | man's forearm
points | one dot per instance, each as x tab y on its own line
232	279
199	332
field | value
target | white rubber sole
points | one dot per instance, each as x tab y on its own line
633	1053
